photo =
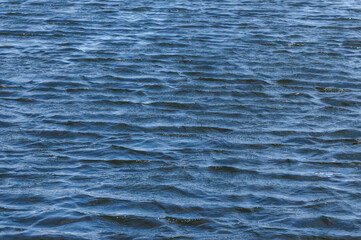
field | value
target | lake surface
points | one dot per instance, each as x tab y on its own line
180	119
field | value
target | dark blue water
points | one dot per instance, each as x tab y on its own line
180	119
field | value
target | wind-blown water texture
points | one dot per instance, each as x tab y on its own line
180	119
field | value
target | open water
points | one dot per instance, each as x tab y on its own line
180	119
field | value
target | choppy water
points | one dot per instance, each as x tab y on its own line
180	119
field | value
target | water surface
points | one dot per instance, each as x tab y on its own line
180	119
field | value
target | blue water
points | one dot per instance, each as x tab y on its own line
180	119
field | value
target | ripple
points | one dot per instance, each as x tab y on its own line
180	119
